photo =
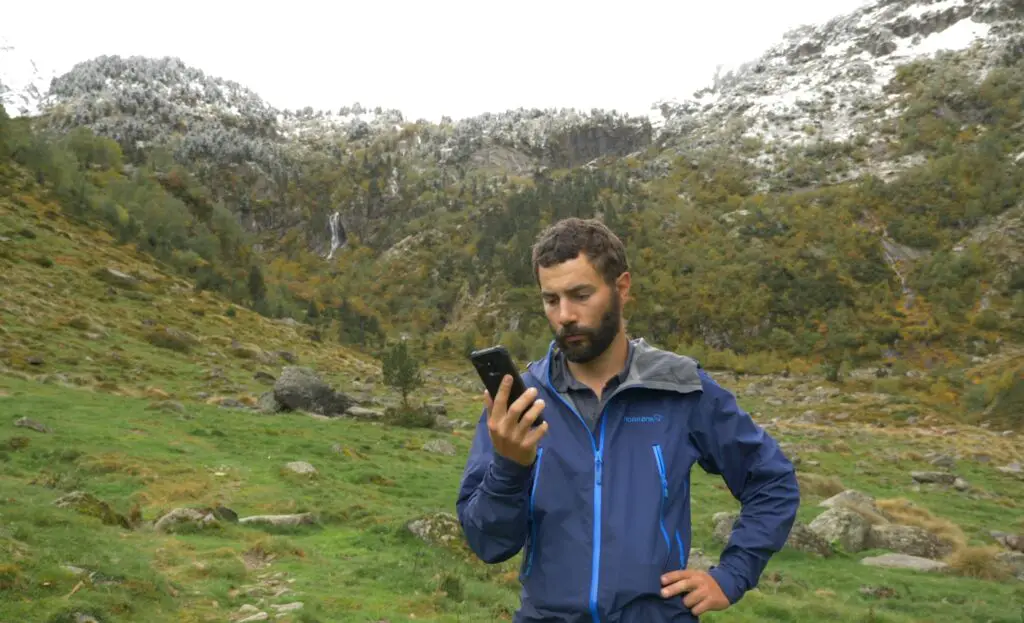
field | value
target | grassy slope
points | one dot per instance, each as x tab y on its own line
360	563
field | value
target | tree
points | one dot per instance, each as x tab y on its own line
257	287
401	370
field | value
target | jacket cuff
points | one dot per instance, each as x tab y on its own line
506	476
728	583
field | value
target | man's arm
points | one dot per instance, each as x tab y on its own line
758	474
492	503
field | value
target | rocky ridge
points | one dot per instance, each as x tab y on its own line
828	82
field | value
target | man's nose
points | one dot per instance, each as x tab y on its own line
566	313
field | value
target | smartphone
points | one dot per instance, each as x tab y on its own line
492	364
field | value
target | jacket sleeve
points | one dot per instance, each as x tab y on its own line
759	476
492	501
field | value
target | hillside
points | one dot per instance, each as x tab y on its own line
886	202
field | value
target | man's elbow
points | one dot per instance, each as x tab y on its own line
488	547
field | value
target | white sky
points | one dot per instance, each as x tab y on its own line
427	58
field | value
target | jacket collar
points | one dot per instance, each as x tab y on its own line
649	367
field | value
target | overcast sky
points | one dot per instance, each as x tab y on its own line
427	57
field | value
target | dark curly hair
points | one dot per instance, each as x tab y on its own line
567	238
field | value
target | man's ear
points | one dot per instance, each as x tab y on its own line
622	284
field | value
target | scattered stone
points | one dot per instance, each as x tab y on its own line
301	467
292	607
878	592
851	499
944	478
90	505
1012	468
365	413
841	525
699	560
264	377
300	519
803	539
437	529
440	446
909	540
301	389
1014	542
187	516
904	561
268	404
117	278
944	461
32	424
259	616
961	485
1014	561
723	524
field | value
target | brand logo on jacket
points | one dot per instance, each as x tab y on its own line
644	419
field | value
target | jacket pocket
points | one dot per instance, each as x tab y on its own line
532	547
659	461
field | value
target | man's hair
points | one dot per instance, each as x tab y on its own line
567	238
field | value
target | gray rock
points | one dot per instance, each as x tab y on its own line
904	561
944	478
301	389
439	446
843	526
910	540
851	498
301	467
32	424
803	539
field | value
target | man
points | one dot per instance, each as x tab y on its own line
598	494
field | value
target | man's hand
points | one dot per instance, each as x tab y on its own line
513	438
704	592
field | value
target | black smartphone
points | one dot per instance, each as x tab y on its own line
492	364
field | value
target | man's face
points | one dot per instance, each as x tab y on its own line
584	312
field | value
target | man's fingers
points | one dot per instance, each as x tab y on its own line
674	576
530	416
695	597
523	402
535	435
502	398
677	588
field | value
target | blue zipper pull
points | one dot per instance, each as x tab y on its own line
597	465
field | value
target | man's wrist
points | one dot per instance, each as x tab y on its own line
506	475
728	582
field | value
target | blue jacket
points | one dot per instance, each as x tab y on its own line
603	515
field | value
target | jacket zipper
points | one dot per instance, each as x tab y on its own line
660	462
682	552
598	448
533	524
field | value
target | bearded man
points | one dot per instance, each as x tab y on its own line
598	495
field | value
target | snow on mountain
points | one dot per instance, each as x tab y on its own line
23	83
824	82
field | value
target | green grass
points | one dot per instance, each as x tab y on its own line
360	563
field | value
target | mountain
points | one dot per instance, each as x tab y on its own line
23	83
850	199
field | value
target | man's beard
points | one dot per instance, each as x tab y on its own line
596	340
